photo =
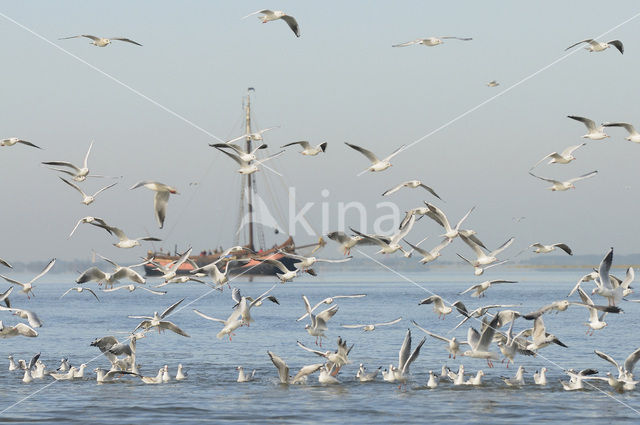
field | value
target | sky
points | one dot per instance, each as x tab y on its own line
152	111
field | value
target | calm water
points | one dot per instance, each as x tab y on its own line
210	393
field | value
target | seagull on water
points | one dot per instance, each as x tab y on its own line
283	370
405	358
160	199
27	288
363	376
376	164
242	377
561	186
480	342
431	41
593	133
517	380
13	140
273	15
307	149
597	46
102	42
540	378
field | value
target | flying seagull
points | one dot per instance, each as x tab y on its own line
564	157
561	186
634	136
101	42
307	149
160	199
593	133
13	140
412	184
271	15
596	46
376	164
430	41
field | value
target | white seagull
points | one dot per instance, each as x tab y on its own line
543	249
248	167
87	199
431	41
123	240
540	378
604	286
480	342
273	15
256	137
411	184
406	357
233	322
439	217
393	244
483	259
564	157
318	322
567	184
101	42
634	136
438	305
593	133
242	154
160	199
307	149
347	242
79	174
453	346
305	263
133	287
328	301
156	321
482	287
283	370
31	316
376	164
13	140
242	377
80	289
90	220
372	326
596	46
28	287
18	329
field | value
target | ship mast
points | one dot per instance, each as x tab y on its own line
249	185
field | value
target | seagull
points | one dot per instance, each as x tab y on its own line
233	322
171	271
540	378
625	371
453	346
90	220
439	217
476	380
18	329
160	199
480	342
594	133
31	316
509	346
28	287
575	383
283	370
156	321
412	184
245	166
438	305
4	297
272	15
604	287
286	275
543	249
456	378
562	305
133	287
477	313
596	46
101	42
180	374
393	244
13	140
540	336
244	308
123	239
305	263
329	300
430	41
307	149
79	174
634	136
242	377
493	83
564	157
318	322
479	270
567	184
372	326
482	287
108	376
243	155
328	374
586	278
433	380
516	381
406	357
363	376
97	275
376	164
180	279
595	322
347	242
87	199
338	358
429	256
256	137
483	259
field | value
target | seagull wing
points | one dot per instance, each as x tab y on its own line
263	11
551	155
625	125
236	158
405	350
502	247
431	334
207	317
44	271
165	324
293	24
408	43
545	179
571	149
103	189
582	177
431	191
128	40
283	369
170	309
631	360
394	189
303	143
607	358
73	186
617	44
92	273
370	155
151	290
307	370
563	247
260	161
63	164
392	322
588	40
316	352
603	270
591	125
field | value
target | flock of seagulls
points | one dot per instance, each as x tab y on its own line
489	343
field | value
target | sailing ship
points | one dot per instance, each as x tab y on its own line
255	254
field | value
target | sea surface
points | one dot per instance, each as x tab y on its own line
211	394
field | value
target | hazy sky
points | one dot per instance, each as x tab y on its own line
340	81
